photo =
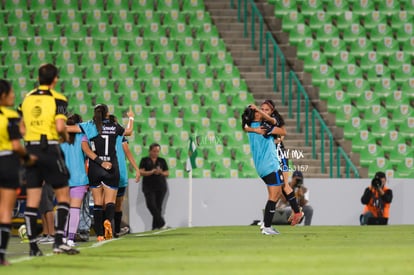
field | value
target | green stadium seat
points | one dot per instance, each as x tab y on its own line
372	20
387	46
127	31
168	57
321	74
310	7
353	126
167	5
379	164
345	20
37	58
349	73
408	46
374	112
389	8
397	59
173	17
370	153
189	44
179	31
192	6
337	99
408	87
313	61
119	5
379	71
195	57
381	31
207	31
401	152
88	5
17	15
121	16
298	34
306	46
361	140
395	99
326	33
404	74
319	20
148	71
333	47
328	86
148	16
75	31
363	7
201	71
382	126
336	8
152	30
401	114
391	140
405	171
341	60
69	16
353	33
407	129
284	7
399	19
367	99
369	61
405	33
361	46
290	20
345	114
385	87
198	17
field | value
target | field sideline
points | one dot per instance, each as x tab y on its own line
233	250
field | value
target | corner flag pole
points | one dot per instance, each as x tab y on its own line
190	198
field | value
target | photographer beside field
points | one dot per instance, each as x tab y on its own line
302	197
377	199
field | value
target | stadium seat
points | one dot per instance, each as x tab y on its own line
75	31
397	59
345	20
326	33
361	140
328	86
363	7
405	73
322	73
336	100
405	33
408	87
402	113
378	72
379	164
370	153
214	45
378	33
349	73
291	19
387	46
118	6
408	46
207	31
198	17
361	46
382	126
407	128
305	47
284	7
369	61
367	99
353	126
341	60
352	34
299	33
167	5
314	60
310	8
389	8
374	112
399	19
372	20
385	87
401	152
333	48
345	114
396	99
336	8
391	140
319	20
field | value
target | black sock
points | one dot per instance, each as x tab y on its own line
62	212
98	219
118	219
269	213
4	239
30	217
292	201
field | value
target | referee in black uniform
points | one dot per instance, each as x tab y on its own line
44	116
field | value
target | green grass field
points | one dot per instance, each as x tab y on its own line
233	250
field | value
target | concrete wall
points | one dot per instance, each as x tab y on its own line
240	201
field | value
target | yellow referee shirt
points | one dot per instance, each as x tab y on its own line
40	108
9	128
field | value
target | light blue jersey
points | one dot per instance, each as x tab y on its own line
89	129
263	152
75	161
120	155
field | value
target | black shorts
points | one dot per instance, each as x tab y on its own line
121	192
50	167
274	178
97	175
10	171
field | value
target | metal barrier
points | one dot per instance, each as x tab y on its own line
300	92
324	130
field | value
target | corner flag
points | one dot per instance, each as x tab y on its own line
192	154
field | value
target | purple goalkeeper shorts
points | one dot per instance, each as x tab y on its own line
77	192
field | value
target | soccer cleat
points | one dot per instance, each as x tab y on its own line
261	225
297	218
71	243
108	230
270	231
100	238
122	232
35	253
64	249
